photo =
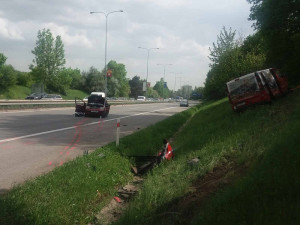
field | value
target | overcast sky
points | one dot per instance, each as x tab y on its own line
183	30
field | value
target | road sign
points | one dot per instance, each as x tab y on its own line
109	73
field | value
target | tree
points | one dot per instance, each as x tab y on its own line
23	78
117	84
2	59
76	78
136	87
225	42
93	80
278	21
151	93
197	93
7	77
161	89
60	82
49	59
231	60
7	74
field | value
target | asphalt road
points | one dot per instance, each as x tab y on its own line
33	142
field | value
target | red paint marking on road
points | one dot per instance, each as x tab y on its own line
76	137
74	141
29	142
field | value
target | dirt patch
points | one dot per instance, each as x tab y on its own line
119	203
187	207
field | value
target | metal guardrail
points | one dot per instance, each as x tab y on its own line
4	102
34	102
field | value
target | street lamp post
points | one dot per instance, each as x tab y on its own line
164	65
106	16
148	52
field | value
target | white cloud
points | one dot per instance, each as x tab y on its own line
78	39
182	29
10	30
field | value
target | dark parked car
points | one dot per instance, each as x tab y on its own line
35	96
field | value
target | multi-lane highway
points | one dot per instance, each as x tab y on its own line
33	142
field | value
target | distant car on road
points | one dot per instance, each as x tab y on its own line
35	96
184	103
141	98
52	97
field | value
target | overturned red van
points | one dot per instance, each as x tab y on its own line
257	87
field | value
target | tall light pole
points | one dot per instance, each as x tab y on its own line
175	80
106	16
164	65
180	83
148	52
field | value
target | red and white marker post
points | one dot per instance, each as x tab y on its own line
118	132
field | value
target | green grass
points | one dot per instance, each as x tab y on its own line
71	94
148	141
217	136
16	92
265	138
68	195
269	194
21	92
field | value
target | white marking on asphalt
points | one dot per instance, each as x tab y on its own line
64	108
73	127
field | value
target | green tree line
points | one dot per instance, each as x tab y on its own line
48	72
276	43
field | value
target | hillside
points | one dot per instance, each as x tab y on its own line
248	170
21	92
247	173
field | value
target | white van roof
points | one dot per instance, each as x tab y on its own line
98	93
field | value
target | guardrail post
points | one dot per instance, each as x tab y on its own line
118	132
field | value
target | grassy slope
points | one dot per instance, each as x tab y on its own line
215	134
70	193
71	94
17	92
269	194
265	137
20	92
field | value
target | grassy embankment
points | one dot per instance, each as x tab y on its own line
75	192
16	92
264	139
21	92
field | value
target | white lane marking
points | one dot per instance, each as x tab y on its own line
65	108
73	127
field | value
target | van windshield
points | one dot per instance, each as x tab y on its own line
243	86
